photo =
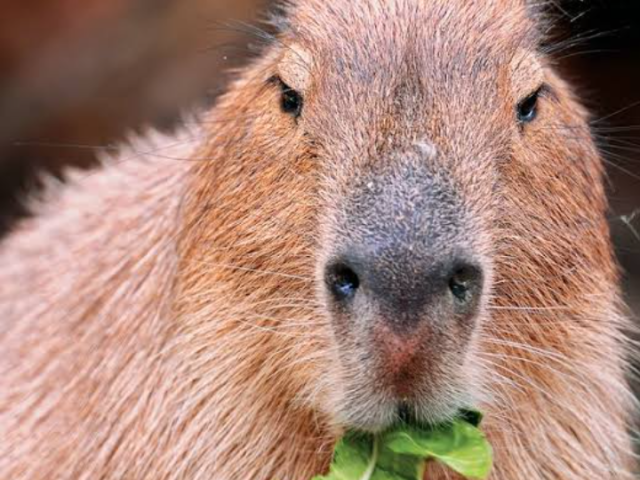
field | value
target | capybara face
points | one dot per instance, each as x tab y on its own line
435	157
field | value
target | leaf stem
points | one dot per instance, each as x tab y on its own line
374	459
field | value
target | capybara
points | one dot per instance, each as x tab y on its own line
396	212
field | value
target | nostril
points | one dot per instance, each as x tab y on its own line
464	283
342	281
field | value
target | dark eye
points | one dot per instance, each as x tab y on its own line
290	100
528	108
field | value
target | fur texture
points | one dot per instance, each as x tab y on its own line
164	318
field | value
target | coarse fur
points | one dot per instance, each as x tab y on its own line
165	317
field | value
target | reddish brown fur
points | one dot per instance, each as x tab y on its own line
161	319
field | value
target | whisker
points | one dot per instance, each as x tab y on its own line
531	309
256	270
616	113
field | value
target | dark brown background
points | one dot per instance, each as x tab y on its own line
76	75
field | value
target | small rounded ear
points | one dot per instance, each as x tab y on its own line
540	12
537	5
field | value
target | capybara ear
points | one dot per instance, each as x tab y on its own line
539	9
278	16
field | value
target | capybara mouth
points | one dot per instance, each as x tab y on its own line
378	410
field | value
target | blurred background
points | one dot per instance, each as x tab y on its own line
77	75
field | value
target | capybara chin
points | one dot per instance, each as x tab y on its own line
397	211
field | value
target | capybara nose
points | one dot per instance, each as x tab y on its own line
403	287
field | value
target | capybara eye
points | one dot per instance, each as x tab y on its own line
291	100
528	108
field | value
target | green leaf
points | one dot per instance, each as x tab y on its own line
459	445
353	457
362	457
402	453
392	466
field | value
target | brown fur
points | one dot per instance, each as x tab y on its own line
164	318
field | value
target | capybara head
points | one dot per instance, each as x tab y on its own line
409	215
